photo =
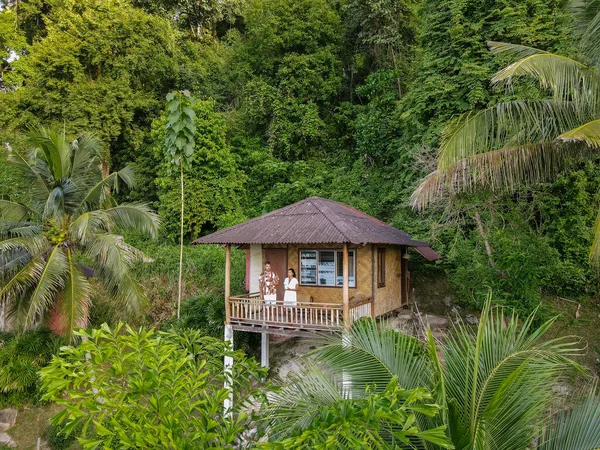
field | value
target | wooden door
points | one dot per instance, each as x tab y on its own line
278	259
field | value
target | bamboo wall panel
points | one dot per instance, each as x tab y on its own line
388	298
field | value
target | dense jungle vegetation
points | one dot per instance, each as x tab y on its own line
357	101
341	99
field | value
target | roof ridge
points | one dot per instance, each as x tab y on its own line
329	220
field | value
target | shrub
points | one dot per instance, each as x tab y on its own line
21	357
149	389
206	312
57	439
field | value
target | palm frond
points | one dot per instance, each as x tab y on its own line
299	400
134	216
568	79
55	148
574	429
370	356
587	23
32	244
501	379
112	259
96	195
588	133
18	273
86	162
496	170
513	50
45	280
39	187
14	212
72	309
508	124
88	224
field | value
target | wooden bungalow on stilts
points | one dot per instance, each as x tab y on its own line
348	265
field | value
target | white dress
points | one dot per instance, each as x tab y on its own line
290	296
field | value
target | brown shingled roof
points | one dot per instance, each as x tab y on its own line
314	220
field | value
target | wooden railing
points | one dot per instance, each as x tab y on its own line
361	308
251	310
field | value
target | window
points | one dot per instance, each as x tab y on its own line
381	267
340	269
326	268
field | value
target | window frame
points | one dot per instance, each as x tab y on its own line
336	252
381	267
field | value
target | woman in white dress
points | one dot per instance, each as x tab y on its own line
290	284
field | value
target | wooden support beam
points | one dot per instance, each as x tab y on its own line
227	284
346	290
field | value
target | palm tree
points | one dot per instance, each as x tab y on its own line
65	233
494	385
526	141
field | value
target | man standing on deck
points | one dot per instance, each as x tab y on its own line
268	281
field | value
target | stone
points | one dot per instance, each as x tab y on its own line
7	441
455	311
8	417
436	322
438	335
471	319
447	301
402	323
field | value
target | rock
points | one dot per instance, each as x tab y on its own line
8	417
7	441
471	319
438	335
436	322
455	311
447	301
402	323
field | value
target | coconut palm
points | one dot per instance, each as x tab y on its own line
495	384
61	243
526	141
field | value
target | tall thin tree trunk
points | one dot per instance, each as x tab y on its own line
180	245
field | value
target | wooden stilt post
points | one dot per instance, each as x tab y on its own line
227	284
228	360
264	350
346	291
346	381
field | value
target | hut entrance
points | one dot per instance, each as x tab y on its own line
278	258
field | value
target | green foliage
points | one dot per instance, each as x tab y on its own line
213	181
56	438
385	420
98	66
64	231
180	128
290	50
206	313
513	272
21	358
494	388
151	390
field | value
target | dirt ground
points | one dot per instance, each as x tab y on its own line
31	424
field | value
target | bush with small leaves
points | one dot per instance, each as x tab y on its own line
150	389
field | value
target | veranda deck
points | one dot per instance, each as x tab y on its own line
250	313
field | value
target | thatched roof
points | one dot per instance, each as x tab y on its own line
315	220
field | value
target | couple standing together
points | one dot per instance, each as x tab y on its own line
269	280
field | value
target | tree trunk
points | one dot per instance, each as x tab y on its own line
179	284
